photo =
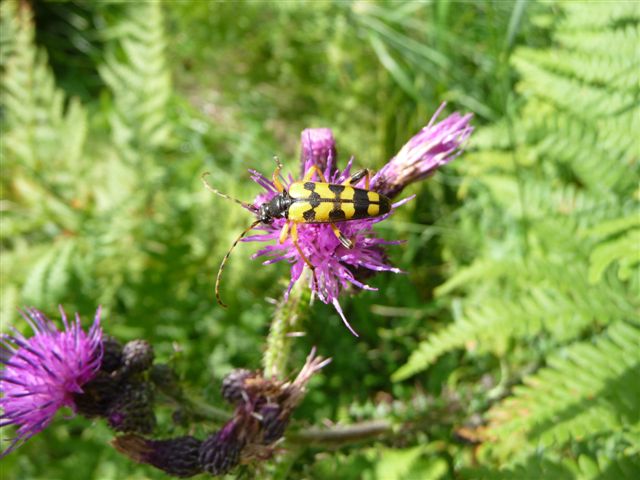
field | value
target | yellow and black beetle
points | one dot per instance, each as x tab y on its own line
308	201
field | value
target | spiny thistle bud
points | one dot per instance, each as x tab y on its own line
132	410
178	457
220	452
273	422
137	356
233	385
111	354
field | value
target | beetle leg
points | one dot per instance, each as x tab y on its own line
294	239
356	177
314	169
276	176
346	243
284	233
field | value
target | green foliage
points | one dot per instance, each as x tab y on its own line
586	390
542	264
546	253
135	71
518	315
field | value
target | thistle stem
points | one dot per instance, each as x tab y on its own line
285	319
202	410
341	434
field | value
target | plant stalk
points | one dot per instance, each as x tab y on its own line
286	317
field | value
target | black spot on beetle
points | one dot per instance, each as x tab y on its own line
309	215
337	189
314	199
337	214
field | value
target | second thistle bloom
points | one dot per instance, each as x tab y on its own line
432	147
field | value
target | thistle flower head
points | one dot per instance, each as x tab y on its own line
334	264
435	145
42	373
336	267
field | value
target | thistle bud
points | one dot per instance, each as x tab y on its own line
233	385
111	354
220	452
97	395
273	423
132	410
432	147
178	457
137	356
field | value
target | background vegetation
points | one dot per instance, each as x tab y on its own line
510	349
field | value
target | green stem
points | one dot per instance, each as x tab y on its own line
204	411
341	434
286	317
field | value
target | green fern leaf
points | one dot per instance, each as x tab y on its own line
624	249
548	466
587	389
135	70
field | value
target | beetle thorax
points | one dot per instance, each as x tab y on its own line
277	207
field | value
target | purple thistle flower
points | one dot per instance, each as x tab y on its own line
318	148
334	264
432	147
42	373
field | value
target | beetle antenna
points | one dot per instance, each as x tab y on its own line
208	186
226	257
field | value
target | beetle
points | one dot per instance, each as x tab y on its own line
310	202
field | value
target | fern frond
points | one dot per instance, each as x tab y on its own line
587	389
11	18
602	70
572	170
625	250
570	94
619	43
39	132
585	144
594	15
136	72
582	104
546	465
564	310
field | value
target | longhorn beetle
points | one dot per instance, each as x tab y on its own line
308	201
